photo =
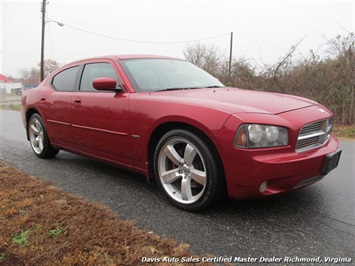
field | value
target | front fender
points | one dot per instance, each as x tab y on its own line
149	117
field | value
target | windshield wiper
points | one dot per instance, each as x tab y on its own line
215	86
177	89
190	88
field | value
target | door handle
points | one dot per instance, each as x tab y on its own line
43	98
77	100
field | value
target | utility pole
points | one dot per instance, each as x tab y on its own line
230	56
42	40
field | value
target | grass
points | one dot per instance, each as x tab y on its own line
344	132
22	238
11	106
42	225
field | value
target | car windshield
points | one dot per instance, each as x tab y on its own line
148	75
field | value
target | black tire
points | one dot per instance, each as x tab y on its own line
187	171
38	137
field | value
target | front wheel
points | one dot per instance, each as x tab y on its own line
187	171
38	136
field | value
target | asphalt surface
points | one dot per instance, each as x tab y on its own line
317	221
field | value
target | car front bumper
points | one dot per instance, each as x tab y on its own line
257	173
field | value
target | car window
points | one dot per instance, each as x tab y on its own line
161	74
96	70
65	80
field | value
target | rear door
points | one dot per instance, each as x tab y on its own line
100	119
57	104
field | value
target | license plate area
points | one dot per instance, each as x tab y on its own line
331	162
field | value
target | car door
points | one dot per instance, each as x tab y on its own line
100	119
56	105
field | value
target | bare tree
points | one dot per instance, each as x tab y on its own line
23	73
327	78
285	61
343	48
50	65
207	57
31	77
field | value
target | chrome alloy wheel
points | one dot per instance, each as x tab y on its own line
182	170
36	134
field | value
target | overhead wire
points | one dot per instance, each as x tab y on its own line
141	41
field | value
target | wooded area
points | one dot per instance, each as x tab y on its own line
327	77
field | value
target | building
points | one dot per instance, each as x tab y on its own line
9	87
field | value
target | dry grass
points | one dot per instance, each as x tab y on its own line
344	132
42	225
11	106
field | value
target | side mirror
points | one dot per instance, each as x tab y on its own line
105	84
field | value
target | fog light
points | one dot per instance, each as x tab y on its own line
263	187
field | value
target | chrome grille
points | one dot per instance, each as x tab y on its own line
314	135
316	126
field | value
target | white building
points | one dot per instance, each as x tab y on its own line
9	87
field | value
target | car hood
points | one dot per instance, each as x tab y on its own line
233	100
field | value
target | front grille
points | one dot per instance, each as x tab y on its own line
314	135
316	126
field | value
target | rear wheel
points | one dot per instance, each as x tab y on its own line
186	170
39	140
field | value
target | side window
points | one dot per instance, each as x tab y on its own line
96	70
65	80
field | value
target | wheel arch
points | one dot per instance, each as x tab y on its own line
28	115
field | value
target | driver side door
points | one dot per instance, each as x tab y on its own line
100	119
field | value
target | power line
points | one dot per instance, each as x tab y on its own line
141	41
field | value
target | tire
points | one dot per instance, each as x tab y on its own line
38	137
186	171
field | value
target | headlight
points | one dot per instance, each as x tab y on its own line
260	136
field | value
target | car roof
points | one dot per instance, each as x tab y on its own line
125	57
112	57
142	56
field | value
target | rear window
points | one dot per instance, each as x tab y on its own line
66	80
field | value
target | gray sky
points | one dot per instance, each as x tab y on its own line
263	30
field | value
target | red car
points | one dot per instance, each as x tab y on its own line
169	120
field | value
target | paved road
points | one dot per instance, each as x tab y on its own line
316	221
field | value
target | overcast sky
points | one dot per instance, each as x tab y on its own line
263	30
